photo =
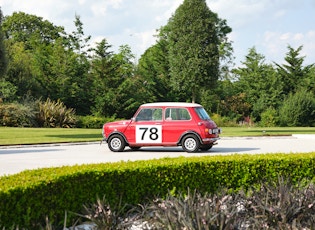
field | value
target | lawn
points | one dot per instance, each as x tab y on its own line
265	131
13	136
17	136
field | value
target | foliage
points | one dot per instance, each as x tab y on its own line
51	191
192	58
292	74
298	109
3	55
277	205
222	121
7	90
269	118
193	37
257	83
17	115
55	114
103	215
92	122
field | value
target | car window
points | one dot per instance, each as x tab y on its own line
149	114
202	113
176	114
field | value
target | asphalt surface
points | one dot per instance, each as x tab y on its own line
14	159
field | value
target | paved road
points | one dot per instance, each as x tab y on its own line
18	158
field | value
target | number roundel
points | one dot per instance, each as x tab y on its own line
148	134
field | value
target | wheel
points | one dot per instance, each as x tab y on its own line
190	143
206	147
116	143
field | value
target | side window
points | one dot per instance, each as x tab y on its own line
176	114
150	114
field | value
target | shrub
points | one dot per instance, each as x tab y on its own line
298	109
92	122
269	118
16	115
277	205
55	114
223	121
26	198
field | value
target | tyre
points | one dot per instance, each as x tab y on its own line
190	143
206	147
116	143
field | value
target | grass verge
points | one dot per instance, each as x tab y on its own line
265	131
17	136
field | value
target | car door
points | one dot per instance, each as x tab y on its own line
177	121
146	127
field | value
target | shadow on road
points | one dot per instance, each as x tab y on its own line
25	150
179	149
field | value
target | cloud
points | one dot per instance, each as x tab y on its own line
275	45
270	25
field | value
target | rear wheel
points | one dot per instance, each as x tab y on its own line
190	143
116	143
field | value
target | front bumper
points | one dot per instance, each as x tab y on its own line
210	140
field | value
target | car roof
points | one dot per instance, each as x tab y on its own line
171	104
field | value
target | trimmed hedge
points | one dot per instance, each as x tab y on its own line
30	196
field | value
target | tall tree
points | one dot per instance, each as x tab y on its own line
257	81
30	29
292	75
153	68
3	56
194	47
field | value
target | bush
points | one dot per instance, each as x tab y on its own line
17	115
54	114
223	121
298	110
269	118
92	122
28	197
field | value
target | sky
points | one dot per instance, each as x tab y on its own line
268	25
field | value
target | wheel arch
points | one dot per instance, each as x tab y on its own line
120	134
188	132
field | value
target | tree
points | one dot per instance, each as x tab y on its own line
257	81
3	56
298	109
292	76
193	37
153	68
30	29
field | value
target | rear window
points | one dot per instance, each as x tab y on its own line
202	113
176	114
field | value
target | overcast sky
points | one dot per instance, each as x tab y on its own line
269	25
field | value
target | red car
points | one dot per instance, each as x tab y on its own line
164	124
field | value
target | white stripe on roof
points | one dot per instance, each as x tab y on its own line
172	104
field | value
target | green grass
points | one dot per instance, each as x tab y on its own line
14	136
17	136
265	131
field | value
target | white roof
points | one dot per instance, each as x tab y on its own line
172	104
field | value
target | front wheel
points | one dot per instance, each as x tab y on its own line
190	143
116	143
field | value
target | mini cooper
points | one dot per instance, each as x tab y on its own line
164	124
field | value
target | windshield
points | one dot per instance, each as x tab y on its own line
202	113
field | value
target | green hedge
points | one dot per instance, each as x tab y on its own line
28	197
92	122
